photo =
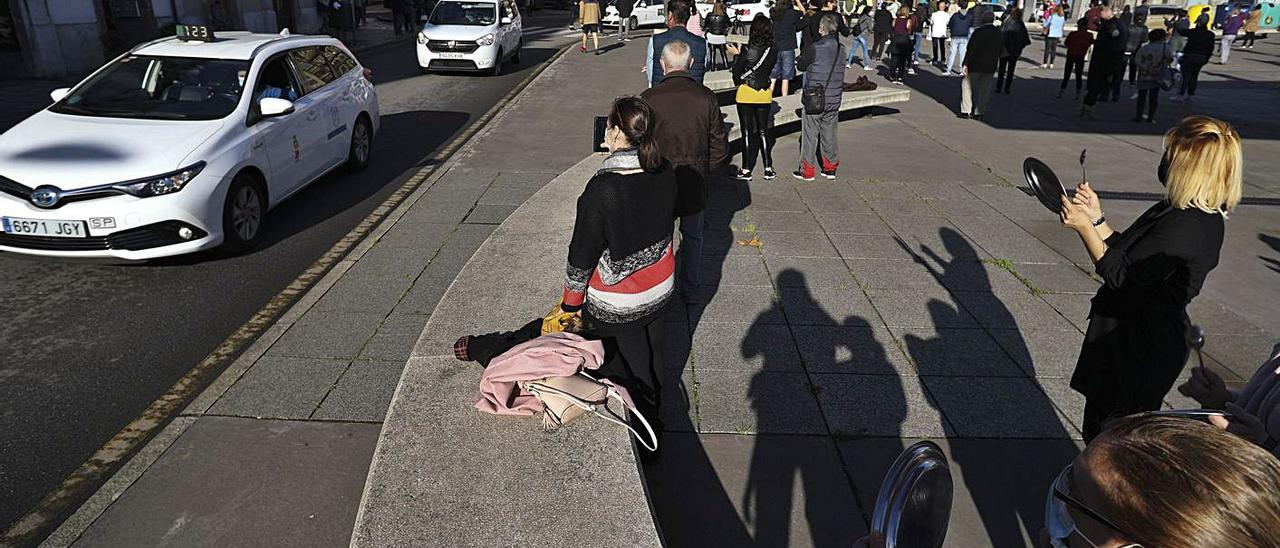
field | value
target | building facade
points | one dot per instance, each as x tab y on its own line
69	38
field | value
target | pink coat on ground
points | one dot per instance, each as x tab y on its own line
552	355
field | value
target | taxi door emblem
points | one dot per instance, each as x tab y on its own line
297	151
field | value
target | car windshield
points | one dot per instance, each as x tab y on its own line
465	13
164	88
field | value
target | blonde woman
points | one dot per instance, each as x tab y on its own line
1135	346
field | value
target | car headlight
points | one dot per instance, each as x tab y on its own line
161	184
486	40
422	38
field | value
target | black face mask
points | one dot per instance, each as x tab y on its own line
1162	172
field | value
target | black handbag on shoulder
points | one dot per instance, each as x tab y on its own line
814	96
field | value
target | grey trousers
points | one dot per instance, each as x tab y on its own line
975	92
818	134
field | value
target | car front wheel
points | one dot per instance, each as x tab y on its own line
243	214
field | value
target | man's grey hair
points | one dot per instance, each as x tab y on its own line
675	55
988	18
829	24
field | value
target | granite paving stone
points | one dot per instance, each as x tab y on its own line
1041	353
734	270
988	407
774	221
1242	354
796	244
1058	278
739	402
363	392
1073	307
437	207
1070	403
827	306
854	349
956	352
395	337
817	271
1012	202
281	388
852	223
1012	309
769	197
489	214
1217	319
934	307
719	243
744	348
327	335
370	288
739	304
884	274
877	405
424	295
864	246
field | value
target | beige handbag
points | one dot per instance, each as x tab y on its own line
567	398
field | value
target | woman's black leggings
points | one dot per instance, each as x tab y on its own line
939	49
1191	65
1074	63
757	134
1050	50
719	56
1249	37
1004	74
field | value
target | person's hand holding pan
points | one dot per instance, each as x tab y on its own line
1075	216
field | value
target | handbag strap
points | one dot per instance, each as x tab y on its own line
594	406
759	62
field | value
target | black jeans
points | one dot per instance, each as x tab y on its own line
1249	37
1050	50
1145	95
1191	65
877	49
633	359
719	55
940	50
757	134
1074	63
1118	76
898	70
1004	74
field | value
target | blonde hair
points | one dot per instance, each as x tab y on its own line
1205	166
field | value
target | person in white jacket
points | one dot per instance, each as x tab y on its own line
938	31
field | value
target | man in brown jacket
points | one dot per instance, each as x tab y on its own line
690	133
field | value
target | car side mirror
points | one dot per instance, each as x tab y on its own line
505	21
59	94
274	106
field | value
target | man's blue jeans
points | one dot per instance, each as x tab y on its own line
915	56
958	46
690	257
859	42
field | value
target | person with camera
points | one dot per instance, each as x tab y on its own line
1254	410
751	70
1135	345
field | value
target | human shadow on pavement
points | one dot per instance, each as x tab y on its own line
1007	480
1274	242
689	500
784	401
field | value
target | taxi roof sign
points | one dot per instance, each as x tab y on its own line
196	33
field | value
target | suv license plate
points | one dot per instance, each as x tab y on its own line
44	227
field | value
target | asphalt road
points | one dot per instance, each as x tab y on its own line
84	348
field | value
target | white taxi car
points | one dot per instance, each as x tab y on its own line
470	35
644	13
182	145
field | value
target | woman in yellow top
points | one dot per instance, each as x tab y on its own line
751	71
589	19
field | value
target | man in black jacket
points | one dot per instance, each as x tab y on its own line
1108	53
691	134
810	34
979	69
624	18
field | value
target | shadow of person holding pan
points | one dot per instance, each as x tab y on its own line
1010	439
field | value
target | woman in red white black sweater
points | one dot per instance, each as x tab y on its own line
621	264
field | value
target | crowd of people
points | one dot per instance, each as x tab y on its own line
1220	478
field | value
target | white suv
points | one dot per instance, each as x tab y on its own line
182	145
467	35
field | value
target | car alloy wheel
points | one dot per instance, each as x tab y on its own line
632	23
246	213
